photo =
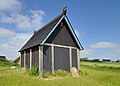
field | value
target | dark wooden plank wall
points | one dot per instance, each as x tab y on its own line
27	61
22	59
35	56
57	58
47	58
61	59
65	59
62	36
74	58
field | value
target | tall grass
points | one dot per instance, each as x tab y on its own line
89	76
56	73
34	71
102	66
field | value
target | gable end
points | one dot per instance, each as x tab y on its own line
71	29
62	36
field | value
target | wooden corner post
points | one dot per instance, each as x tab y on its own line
70	52
52	57
78	58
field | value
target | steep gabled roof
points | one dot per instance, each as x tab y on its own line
39	35
43	34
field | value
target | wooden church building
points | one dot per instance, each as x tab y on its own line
54	46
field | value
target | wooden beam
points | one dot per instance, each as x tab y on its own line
24	59
41	60
57	45
78	58
30	58
70	52
52	57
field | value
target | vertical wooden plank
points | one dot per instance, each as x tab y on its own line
47	58
27	58
37	56
78	58
24	59
30	58
57	58
65	59
74	58
52	57
70	58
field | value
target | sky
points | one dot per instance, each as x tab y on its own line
96	23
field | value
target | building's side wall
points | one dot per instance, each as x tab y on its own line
35	56
62	36
61	59
22	59
47	58
74	58
25	57
27	61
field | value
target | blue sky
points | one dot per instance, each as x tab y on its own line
96	22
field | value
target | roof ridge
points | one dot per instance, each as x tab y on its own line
49	22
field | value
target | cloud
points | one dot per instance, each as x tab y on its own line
87	53
11	46
25	22
14	16
100	54
117	51
102	50
11	15
37	18
113	54
104	45
9	5
6	33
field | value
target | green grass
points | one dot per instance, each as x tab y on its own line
89	75
34	71
111	66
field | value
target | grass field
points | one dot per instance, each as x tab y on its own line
91	74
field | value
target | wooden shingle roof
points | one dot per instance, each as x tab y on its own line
39	35
42	34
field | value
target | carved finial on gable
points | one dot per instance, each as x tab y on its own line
64	10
